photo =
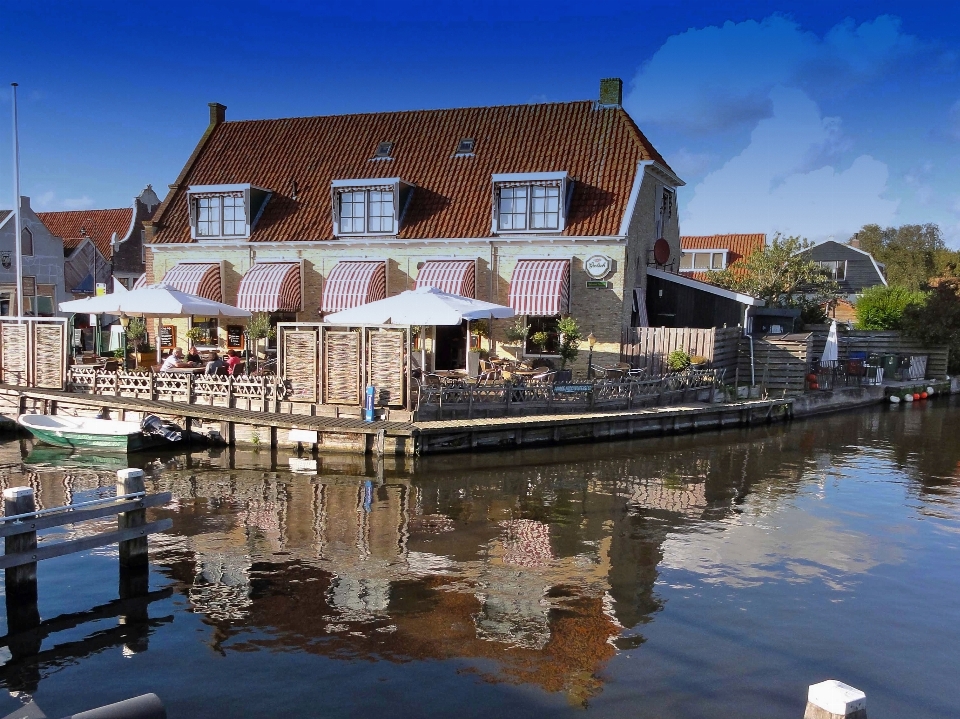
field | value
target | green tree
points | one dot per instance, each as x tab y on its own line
570	337
911	254
882	307
937	321
784	277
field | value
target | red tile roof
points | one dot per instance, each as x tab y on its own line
75	226
737	247
599	148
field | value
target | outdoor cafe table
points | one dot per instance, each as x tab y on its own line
187	370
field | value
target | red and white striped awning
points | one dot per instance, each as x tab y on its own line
196	278
458	277
354	283
540	287
271	287
141	282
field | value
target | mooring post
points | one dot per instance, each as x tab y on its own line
20	582
835	700
133	552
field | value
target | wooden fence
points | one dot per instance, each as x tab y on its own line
649	347
332	365
881	343
779	363
33	352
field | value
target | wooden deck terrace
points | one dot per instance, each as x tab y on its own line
271	429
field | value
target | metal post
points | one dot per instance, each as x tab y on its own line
18	219
590	364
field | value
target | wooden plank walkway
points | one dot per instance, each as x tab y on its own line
553	420
346	425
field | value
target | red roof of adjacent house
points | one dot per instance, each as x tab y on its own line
74	226
598	147
737	247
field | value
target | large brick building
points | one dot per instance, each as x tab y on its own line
551	208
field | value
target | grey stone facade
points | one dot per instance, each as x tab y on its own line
42	270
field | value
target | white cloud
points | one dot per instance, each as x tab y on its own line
720	78
775	184
684	162
50	202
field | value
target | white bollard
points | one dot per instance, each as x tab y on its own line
129	473
833	699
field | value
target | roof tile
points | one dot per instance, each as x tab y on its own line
75	226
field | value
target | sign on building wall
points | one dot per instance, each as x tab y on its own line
598	267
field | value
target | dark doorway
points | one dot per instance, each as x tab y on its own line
451	346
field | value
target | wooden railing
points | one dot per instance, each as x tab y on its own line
469	400
177	386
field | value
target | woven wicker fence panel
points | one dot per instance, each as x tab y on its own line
341	368
48	356
386	366
14	353
300	365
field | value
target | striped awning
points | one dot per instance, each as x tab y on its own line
141	281
540	287
458	277
271	287
196	278
354	283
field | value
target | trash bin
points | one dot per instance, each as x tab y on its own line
889	365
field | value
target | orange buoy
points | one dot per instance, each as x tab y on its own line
916	395
923	395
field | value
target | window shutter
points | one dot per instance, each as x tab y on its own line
247	208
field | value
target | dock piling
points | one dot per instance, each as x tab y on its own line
133	552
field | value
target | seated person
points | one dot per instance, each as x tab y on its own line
174	359
233	359
215	363
193	356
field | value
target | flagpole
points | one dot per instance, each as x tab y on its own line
18	220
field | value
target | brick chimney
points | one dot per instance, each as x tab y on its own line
218	113
855	241
611	92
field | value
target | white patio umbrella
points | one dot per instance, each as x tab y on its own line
153	301
422	306
830	349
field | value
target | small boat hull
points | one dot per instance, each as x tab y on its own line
89	434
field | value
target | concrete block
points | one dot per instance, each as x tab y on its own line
838	698
16	492
303	435
298	464
129	473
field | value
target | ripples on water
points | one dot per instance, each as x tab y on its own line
709	575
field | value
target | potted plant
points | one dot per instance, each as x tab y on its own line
698	361
570	337
136	340
259	328
516	333
540	339
197	335
677	361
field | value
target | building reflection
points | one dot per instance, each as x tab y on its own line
534	567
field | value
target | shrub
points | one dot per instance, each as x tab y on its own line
516	332
677	361
882	307
570	337
937	321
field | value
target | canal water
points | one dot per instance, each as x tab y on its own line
708	575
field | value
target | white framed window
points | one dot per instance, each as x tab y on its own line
530	202
369	207
224	211
703	260
836	269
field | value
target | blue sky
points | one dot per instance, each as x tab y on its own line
810	118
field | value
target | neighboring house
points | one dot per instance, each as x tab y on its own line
100	244
42	254
551	208
705	254
852	268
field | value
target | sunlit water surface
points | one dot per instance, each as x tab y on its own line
710	575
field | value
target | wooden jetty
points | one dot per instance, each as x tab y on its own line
350	433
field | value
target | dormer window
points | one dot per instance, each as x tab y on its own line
225	211
369	207
530	202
